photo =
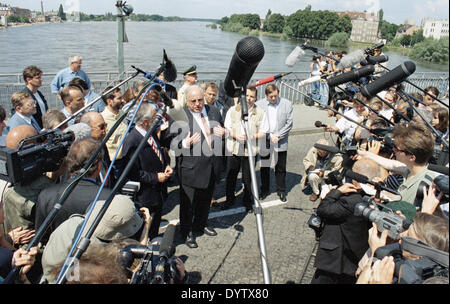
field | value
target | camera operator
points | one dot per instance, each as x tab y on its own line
120	221
413	147
83	193
20	199
318	165
429	229
344	238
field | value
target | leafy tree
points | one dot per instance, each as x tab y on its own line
432	50
338	39
276	23
388	30
266	20
61	13
405	40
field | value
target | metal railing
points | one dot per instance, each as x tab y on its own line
100	80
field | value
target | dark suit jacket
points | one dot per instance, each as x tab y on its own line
38	115
145	169
78	201
195	167
345	236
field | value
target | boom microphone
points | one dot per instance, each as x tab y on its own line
80	130
270	79
354	58
365	180
294	56
309	80
377	59
351	76
389	79
170	71
249	52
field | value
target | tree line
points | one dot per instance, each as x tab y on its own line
304	23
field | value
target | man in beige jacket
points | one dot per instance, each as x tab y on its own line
318	165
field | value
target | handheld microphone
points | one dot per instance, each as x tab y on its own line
351	76
170	71
309	80
365	180
354	58
294	56
166	99
377	59
319	124
270	79
80	130
249	52
389	79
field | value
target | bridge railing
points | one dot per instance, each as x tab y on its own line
11	83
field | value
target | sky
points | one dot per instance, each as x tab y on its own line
395	11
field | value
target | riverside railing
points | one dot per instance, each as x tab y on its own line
11	83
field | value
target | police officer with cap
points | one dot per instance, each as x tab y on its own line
190	78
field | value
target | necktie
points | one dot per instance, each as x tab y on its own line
34	124
207	130
155	148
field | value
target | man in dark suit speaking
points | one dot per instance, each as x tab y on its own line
198	165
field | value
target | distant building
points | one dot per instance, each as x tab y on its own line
434	28
73	16
21	12
6	11
406	30
364	26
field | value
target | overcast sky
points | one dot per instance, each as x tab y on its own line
395	11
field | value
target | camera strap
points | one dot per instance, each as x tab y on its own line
419	248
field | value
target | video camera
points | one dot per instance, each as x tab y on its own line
370	51
389	221
157	265
34	156
432	262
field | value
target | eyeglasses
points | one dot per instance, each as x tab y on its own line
101	127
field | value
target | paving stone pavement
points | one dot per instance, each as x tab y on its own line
233	256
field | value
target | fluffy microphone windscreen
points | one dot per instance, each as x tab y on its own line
80	130
353	58
170	71
294	56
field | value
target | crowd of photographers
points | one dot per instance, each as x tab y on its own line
382	213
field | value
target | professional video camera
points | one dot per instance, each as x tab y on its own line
432	262
34	156
157	265
391	222
371	50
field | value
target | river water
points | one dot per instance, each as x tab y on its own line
186	43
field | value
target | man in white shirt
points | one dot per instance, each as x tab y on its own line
190	78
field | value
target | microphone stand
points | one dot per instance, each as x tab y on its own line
329	108
417	87
84	242
370	108
257	207
411	104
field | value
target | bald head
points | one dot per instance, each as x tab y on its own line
17	134
97	123
367	167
